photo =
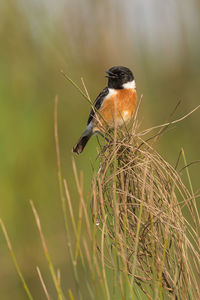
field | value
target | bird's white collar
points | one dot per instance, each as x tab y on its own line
129	85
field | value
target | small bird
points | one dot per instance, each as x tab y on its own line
114	106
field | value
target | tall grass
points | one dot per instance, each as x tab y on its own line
131	238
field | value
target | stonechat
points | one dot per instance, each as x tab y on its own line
114	106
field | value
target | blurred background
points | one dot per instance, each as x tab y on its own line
158	40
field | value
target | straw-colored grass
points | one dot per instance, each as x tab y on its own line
138	204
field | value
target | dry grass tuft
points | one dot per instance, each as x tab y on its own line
138	206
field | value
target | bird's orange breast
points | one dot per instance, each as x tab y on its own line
119	107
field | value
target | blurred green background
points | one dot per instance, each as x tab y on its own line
158	40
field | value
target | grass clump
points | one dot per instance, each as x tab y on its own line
138	203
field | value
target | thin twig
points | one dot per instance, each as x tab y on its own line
43	284
170	123
15	261
46	252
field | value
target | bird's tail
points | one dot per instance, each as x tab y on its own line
78	148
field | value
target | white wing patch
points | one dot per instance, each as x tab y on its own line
111	92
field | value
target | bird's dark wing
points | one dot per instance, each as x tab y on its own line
97	103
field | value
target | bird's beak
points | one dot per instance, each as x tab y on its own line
110	75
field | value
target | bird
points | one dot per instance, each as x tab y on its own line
114	106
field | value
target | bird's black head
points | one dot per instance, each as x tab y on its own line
118	76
